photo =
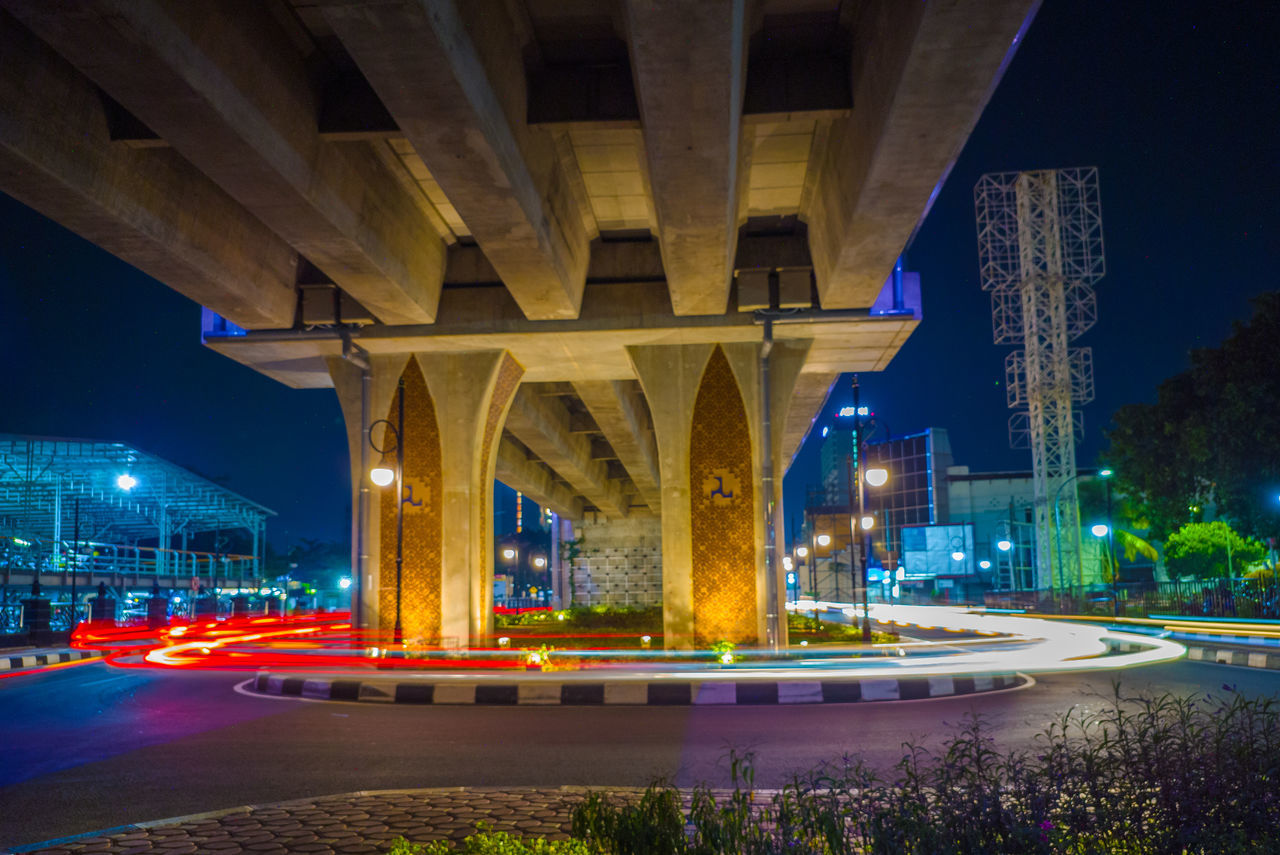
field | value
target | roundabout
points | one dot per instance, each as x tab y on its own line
322	657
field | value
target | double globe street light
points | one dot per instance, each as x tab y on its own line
857	475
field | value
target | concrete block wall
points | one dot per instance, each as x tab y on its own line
620	563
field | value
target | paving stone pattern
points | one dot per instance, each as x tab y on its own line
344	825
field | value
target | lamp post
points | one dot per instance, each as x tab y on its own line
1104	474
1111	548
382	476
856	473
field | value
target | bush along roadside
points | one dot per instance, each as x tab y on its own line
1143	776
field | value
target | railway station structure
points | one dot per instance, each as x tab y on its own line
75	513
615	252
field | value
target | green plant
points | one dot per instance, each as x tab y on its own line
485	842
1162	775
723	651
1210	550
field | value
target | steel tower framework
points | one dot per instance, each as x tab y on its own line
1040	252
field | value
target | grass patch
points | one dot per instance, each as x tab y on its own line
801	628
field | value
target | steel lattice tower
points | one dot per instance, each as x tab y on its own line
1040	252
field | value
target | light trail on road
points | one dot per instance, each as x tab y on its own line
328	643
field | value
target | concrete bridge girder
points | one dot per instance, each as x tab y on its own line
506	202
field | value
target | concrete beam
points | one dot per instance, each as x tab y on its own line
452	76
619	410
148	207
542	424
922	74
807	399
689	63
225	86
520	472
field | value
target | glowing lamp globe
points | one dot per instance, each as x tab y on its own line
1099	530
1004	545
508	554
957	556
824	539
877	477
802	551
126	482
984	564
539	562
382	475
786	562
344	582
868	523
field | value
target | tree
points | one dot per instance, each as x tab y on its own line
1210	550
1212	437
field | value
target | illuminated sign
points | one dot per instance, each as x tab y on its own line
847	412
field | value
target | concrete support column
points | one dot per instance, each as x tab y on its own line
455	405
473	392
705	401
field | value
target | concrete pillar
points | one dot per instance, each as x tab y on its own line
705	401
455	405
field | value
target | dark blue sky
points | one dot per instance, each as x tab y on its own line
1178	108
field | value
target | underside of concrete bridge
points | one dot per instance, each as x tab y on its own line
562	223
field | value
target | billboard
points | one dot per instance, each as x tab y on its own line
929	551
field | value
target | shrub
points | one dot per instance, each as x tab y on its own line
485	842
1158	775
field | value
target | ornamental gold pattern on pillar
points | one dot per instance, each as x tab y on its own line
423	503
722	510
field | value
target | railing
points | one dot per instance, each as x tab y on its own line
113	559
1243	598
519	604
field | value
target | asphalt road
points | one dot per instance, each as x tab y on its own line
92	746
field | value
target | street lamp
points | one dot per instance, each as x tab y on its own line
857	474
1104	474
379	475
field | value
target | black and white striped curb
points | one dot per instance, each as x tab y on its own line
1235	656
1251	640
36	660
638	693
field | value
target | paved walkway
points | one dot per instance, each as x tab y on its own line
350	824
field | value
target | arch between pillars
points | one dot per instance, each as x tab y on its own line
420	599
722	510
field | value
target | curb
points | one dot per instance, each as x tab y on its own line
1232	656
666	693
16	663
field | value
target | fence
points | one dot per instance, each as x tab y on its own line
1242	598
113	560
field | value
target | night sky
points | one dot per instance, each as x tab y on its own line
1176	103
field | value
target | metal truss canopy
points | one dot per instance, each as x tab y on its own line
40	478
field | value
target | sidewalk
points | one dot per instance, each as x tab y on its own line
348	824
